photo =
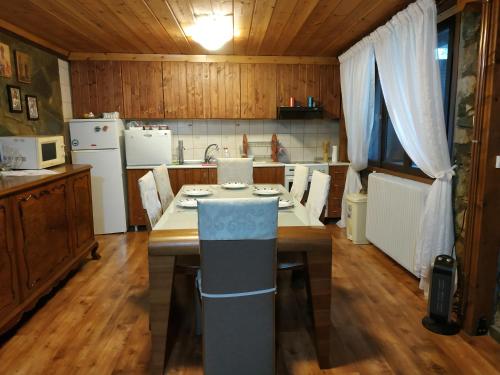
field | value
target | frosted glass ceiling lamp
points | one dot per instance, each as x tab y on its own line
213	31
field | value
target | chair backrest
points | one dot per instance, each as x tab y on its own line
318	194
300	179
238	276
163	186
149	199
235	170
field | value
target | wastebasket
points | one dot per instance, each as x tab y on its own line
356	218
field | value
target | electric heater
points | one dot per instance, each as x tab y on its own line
441	290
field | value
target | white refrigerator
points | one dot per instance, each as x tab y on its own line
99	142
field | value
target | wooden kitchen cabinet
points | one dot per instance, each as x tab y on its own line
338	175
9	287
96	86
142	89
80	194
258	91
269	175
43	238
225	90
46	229
299	81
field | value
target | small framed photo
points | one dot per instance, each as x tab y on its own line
14	95
5	65
32	107
23	66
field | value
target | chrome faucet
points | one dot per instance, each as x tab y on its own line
209	158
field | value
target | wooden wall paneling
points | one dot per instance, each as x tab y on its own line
329	83
299	81
9	287
242	12
175	90
261	16
79	88
312	84
142	89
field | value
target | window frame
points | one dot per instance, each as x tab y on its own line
449	105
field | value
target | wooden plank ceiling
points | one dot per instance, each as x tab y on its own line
261	27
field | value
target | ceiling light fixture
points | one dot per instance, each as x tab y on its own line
212	31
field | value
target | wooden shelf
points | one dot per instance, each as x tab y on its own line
290	113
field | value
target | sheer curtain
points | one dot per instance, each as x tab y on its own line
405	49
357	82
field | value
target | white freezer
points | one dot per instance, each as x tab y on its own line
108	191
95	134
148	147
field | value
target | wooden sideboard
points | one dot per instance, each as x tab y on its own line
46	229
188	176
338	175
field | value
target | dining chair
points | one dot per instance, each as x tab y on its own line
163	186
149	199
318	194
237	284
300	180
235	170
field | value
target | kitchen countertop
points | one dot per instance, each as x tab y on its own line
200	165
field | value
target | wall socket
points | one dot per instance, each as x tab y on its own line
497	164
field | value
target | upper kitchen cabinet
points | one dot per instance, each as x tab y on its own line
96	87
303	80
299	81
201	90
142	89
224	90
329	85
258	91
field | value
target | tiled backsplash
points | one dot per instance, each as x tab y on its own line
302	139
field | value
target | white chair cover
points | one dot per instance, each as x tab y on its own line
163	186
318	194
149	198
299	185
235	170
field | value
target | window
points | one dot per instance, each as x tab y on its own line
385	149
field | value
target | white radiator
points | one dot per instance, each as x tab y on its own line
395	207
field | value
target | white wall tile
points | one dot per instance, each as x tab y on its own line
212	138
200	128
309	153
187	139
296	140
297	126
256	127
283	127
284	139
309	140
310	127
185	128
200	141
241	127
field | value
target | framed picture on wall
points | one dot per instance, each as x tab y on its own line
14	96
5	65
32	107
23	66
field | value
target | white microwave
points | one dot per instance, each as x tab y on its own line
32	152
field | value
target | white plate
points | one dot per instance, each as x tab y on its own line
187	203
266	191
197	192
234	185
285	203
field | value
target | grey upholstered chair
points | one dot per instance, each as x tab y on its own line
163	186
235	170
237	284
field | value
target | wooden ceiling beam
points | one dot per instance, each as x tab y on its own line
33	38
76	56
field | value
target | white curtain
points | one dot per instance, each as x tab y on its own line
405	49
357	82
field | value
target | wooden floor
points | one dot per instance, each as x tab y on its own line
97	323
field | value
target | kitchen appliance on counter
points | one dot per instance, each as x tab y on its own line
99	142
32	152
148	146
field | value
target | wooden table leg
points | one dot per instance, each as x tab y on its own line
319	266
161	280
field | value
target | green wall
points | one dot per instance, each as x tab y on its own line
44	84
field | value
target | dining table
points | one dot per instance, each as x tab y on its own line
175	237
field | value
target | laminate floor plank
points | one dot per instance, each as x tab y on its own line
96	322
